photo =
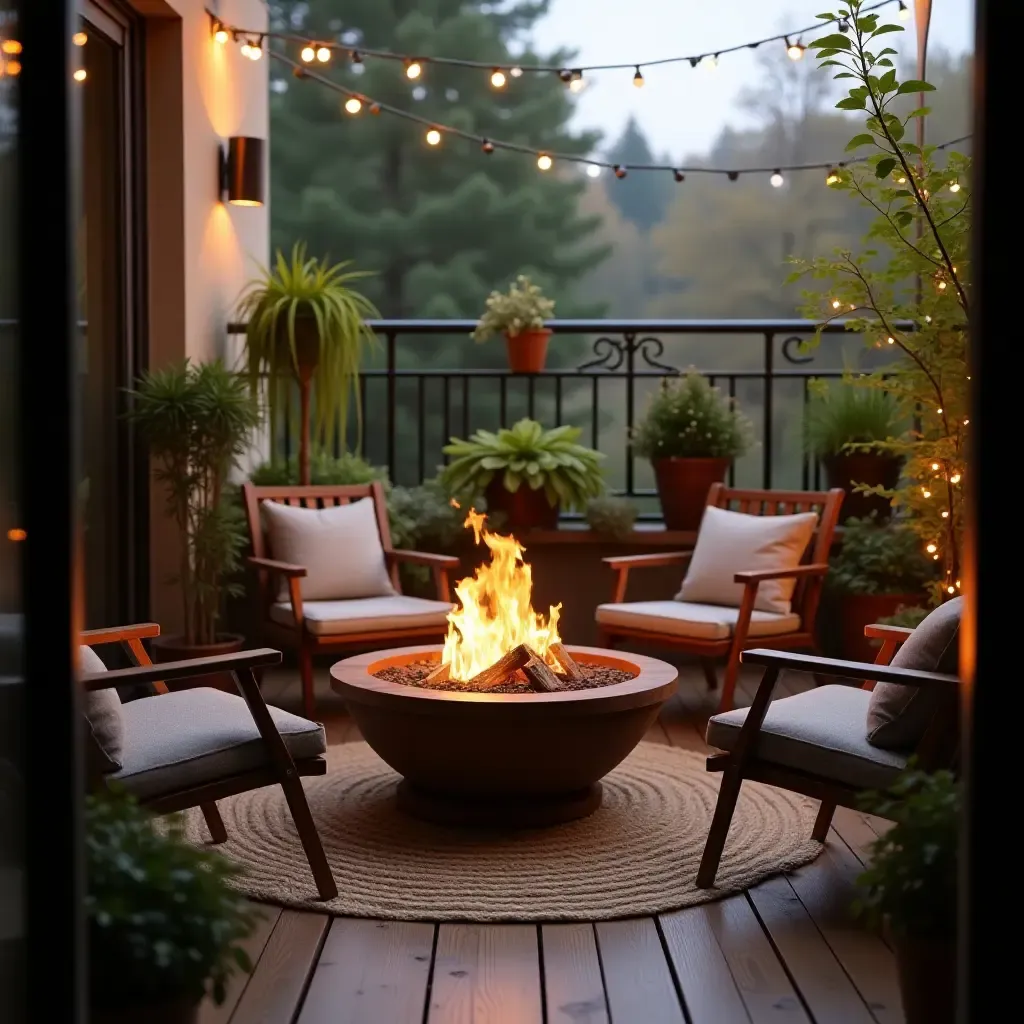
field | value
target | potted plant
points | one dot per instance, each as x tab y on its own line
879	569
611	517
525	472
910	889
841	426
165	929
306	324
691	434
519	313
197	421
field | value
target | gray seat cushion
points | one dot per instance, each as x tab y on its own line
821	732
366	615
103	713
898	715
190	737
700	621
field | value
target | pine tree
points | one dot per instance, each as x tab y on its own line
643	197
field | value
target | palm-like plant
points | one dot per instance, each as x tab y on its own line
304	322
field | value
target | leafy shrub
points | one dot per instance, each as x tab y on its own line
688	418
849	415
324	470
522	308
880	558
611	516
907	616
423	518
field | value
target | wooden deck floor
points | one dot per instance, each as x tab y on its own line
785	951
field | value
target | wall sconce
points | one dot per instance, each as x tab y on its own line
241	171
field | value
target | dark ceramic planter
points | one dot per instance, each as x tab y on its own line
927	972
859	610
179	1011
174	648
528	351
524	510
871	468
683	486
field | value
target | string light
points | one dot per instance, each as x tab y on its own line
80	75
966	420
954	186
356	57
901	180
939	411
931	549
308	54
836	303
498	78
891	341
544	162
413	69
904	12
620	171
955	478
516	72
487	146
777	179
374	108
935	465
576	83
957	584
795	51
833	177
220	35
710	62
11	68
565	75
594	170
678	175
323	54
353	105
926	492
944	514
844	25
638	78
13	47
732	175
245	49
950	590
433	137
16	535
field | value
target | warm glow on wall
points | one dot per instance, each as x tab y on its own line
16	535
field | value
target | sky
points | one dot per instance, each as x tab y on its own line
682	109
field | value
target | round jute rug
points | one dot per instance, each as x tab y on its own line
637	854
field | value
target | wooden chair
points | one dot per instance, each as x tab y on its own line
742	632
817	744
193	747
291	625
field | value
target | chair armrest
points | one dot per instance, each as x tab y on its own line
180	669
285	568
881	632
847	669
423	558
647	561
757	575
117	634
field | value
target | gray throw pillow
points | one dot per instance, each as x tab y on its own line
898	715
103	713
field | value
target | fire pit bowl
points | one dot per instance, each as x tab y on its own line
502	759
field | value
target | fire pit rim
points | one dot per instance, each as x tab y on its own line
654	683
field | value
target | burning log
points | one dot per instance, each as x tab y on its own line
441	674
499	672
540	677
570	669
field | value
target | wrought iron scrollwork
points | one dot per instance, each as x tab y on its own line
795	357
611	353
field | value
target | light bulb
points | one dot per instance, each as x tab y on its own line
245	49
12	68
353	105
308	54
638	78
931	549
577	84
891	341
935	558
939	411
836	303
935	465
413	69
544	162
776	179
942	286
80	75
710	62
926	492
678	175
833	177
794	51
255	51
950	590
957	584
620	171
901	180
593	171
928	320
323	54
220	36
433	137
516	72
955	478
13	46
356	57
498	78
904	12
954	186
966	420
945	515
487	146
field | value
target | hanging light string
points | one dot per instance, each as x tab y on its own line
320	50
356	102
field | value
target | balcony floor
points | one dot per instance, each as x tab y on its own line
785	951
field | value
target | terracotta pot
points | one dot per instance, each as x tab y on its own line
178	1011
927	972
528	350
872	468
174	648
859	610
683	486
524	510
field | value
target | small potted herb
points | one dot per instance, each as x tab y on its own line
840	423
165	928
519	314
525	472
910	889
879	569
611	517
691	434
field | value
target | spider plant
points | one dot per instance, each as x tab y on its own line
304	322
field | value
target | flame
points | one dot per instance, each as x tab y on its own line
496	614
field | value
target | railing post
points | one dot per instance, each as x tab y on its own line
769	389
630	340
391	391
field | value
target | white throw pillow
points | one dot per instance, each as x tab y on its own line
340	548
732	542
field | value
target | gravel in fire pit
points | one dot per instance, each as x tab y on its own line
415	673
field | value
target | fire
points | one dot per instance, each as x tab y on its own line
496	614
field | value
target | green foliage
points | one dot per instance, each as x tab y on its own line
915	267
880	558
839	418
611	516
688	418
163	922
302	287
197	421
522	308
911	883
423	518
907	616
526	453
324	470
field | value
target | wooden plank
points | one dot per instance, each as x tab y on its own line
486	974
826	887
853	828
824	985
370	972
637	977
209	1012
765	989
709	990
684	727
277	985
573	989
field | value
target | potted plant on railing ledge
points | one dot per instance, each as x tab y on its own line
305	324
197	421
691	434
525	472
519	314
843	426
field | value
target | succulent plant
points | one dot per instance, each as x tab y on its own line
611	516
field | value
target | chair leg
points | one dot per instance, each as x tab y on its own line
732	672
309	837
306	673
710	672
823	821
605	639
728	794
214	822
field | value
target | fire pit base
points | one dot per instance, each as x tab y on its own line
534	811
